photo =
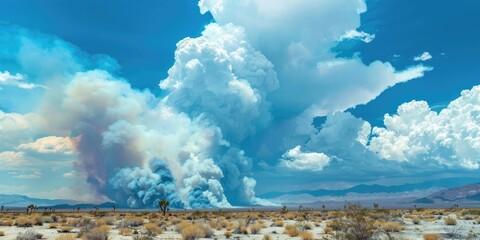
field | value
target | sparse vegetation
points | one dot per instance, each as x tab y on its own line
450	221
432	236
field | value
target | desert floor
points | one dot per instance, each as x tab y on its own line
352	223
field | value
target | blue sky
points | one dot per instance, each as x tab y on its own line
205	106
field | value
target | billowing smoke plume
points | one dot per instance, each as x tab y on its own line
230	100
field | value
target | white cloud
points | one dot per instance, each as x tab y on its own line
425	56
33	175
354	35
51	144
13	160
17	80
297	160
297	36
419	135
74	174
220	76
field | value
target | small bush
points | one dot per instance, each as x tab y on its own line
306	235
98	233
53	225
7	223
66	237
24	222
291	230
432	236
255	228
391	227
65	229
2	233
279	223
228	234
125	232
192	232
327	230
450	221
133	221
266	237
153	228
243	230
416	220
28	235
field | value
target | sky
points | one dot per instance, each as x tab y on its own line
213	103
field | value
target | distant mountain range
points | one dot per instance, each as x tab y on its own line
21	201
375	188
466	193
15	200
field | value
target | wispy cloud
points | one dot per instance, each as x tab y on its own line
425	56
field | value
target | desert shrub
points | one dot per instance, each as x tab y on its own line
432	236
109	220
291	230
208	232
24	222
391	227
98	233
38	221
192	232
7	223
66	237
279	223
131	221
2	233
255	228
53	225
357	224
266	237
181	225
152	228
306	235
29	235
47	219
327	230
450	221
125	232
73	222
243	230
334	224
416	220
307	226
142	237
228	234
65	229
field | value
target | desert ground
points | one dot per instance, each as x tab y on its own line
354	222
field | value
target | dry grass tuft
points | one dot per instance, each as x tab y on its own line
153	228
266	237
66	237
255	228
228	234
24	222
450	221
53	225
327	230
125	232
65	229
432	236
416	220
291	230
279	223
391	227
192	232
306	235
2	233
